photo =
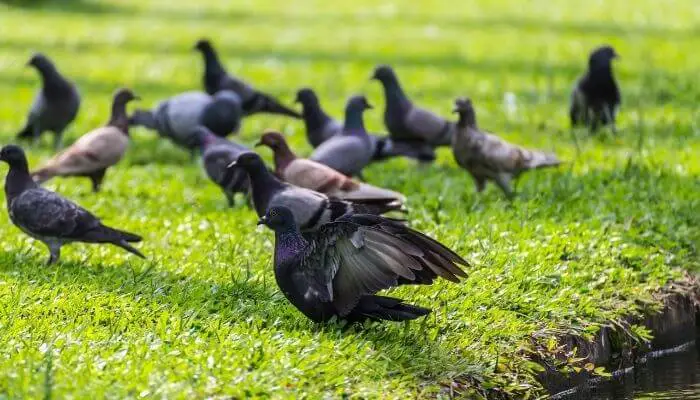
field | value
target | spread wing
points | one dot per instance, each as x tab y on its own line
363	254
45	213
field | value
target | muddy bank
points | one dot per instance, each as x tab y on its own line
614	347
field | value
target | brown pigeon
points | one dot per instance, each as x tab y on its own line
94	152
488	157
319	177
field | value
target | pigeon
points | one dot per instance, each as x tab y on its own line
407	122
337	270
316	176
94	152
216	79
311	209
596	96
50	218
55	106
321	127
217	154
178	117
488	157
352	150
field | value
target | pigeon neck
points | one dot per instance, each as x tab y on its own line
314	117
467	119
283	157
17	181
289	243
51	80
264	185
119	119
354	123
393	91
601	71
212	66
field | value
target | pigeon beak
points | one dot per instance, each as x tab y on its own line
263	220
232	165
368	106
137	97
260	143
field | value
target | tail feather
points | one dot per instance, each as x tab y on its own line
131	249
539	159
105	234
262	102
375	206
386	308
42	175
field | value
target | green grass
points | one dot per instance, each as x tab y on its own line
581	245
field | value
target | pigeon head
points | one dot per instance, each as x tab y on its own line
123	96
40	62
306	97
249	161
602	57
465	109
358	103
14	156
204	45
384	74
273	140
279	219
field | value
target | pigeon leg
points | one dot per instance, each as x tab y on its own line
54	252
96	178
503	181
229	197
36	134
610	117
480	183
58	140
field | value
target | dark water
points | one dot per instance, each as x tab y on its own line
673	376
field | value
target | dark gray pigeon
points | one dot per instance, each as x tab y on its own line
216	79
178	117
321	127
596	96
50	218
217	154
407	122
337	270
55	106
311	209
353	149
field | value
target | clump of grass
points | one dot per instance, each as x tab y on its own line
581	245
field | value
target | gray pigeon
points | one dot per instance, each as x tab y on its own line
50	218
178	117
55	106
352	150
407	122
217	154
216	79
311	209
488	157
321	127
337	270
596	96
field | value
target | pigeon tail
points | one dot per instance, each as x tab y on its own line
386	308
105	234
42	175
143	118
539	159
26	132
262	102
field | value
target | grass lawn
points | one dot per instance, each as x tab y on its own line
581	245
